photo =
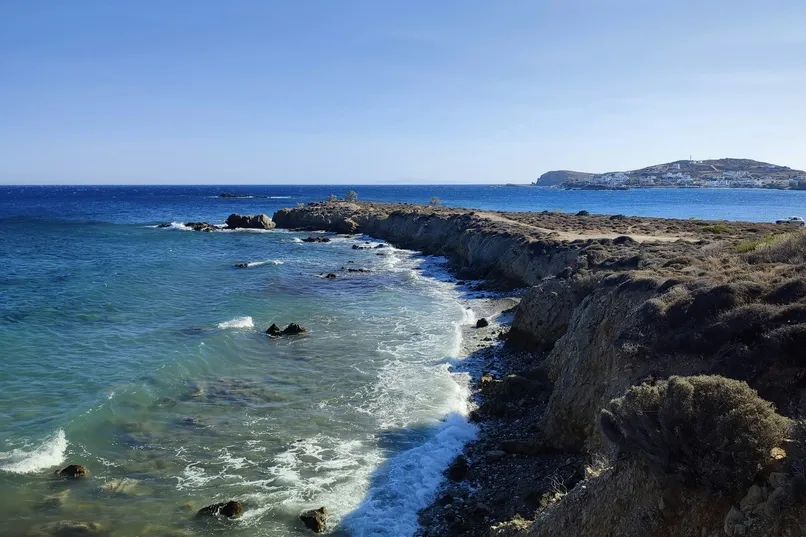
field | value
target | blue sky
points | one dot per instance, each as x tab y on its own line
440	91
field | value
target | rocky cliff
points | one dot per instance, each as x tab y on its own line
614	303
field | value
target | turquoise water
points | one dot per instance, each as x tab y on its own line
139	352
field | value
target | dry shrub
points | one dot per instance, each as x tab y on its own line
707	430
786	248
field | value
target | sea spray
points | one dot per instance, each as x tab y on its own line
48	454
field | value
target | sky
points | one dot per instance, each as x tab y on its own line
373	91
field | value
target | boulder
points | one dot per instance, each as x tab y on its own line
330	276
293	329
74	471
274	330
457	471
315	519
316	239
164	224
230	509
481	323
258	221
200	226
241	265
68	528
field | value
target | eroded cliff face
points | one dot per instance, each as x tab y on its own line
601	315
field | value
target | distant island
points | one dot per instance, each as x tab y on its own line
718	173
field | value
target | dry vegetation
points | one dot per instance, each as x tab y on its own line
708	430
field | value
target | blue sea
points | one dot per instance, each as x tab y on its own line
139	352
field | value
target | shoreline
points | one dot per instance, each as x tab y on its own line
612	303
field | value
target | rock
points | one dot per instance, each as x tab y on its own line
381	246
241	265
522	447
362	270
230	509
290	330
56	500
164	224
755	495
495	454
457	471
316	239
120	486
315	519
330	276
293	329
68	528
481	323
200	226
74	471
274	330
166	402
258	221
734	518
778	480
445	499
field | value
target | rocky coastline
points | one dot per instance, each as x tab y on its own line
618	311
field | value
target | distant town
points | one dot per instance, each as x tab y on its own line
718	173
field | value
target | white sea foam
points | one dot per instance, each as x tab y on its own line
238	322
28	460
267	262
408	482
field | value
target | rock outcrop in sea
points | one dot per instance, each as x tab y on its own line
615	309
257	221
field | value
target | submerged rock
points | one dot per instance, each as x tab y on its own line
230	509
315	519
257	221
164	224
241	265
56	500
68	528
330	276
316	239
74	471
120	486
481	323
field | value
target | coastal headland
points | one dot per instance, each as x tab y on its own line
650	383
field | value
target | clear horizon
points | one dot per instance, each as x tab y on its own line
359	93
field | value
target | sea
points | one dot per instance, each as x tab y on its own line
140	352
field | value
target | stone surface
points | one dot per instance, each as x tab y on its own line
230	509
74	471
315	519
257	221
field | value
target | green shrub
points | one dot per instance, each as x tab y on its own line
351	196
707	430
332	197
716	228
435	201
783	248
748	246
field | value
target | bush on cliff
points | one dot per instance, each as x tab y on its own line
708	430
351	196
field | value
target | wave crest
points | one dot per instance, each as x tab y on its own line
48	454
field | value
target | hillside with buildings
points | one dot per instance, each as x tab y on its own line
719	173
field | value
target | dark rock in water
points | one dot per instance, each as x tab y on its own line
200	226
330	276
258	221
164	224
315	239
166	402
381	246
69	528
293	329
274	330
358	270
230	509
290	330
457	471
361	247
74	471
315	519
231	195
241	265
481	323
